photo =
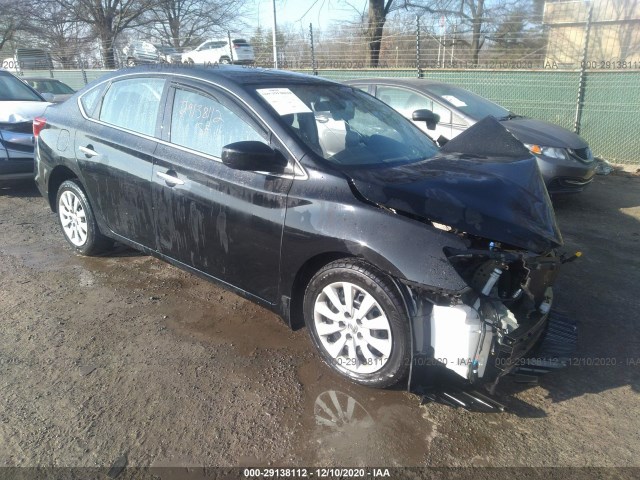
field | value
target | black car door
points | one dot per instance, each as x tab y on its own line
226	223
115	155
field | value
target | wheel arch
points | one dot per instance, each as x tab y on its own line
58	175
292	309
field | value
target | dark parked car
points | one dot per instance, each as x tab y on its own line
49	87
564	158
388	249
19	105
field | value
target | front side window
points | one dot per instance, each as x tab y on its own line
444	112
345	125
402	100
133	104
203	124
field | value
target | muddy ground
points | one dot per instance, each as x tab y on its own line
126	355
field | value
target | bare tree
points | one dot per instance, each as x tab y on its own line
186	22
12	20
378	11
58	31
109	18
476	15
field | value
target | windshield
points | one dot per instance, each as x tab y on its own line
347	126
12	89
468	103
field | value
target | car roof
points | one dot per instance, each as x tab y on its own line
230	76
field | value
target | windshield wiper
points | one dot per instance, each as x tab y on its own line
511	116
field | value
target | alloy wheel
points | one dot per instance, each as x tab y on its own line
73	218
352	327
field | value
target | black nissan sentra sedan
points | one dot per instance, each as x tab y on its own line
319	202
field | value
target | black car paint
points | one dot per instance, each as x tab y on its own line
514	206
271	230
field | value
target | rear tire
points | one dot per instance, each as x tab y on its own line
225	61
357	321
131	62
77	221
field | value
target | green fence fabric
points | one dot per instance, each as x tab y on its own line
610	119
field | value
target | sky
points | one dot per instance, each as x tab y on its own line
322	13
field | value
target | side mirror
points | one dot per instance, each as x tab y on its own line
252	156
47	96
424	115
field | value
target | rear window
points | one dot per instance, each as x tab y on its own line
133	104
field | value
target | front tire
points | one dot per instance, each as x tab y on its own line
78	222
357	321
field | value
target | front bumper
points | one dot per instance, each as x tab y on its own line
566	176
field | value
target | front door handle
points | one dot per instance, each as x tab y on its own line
88	151
170	179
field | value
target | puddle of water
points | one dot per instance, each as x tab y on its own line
342	424
350	425
233	321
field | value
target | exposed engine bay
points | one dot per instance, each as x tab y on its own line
484	333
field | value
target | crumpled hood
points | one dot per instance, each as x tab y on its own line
484	182
537	132
21	111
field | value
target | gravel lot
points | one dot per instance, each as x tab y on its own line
124	355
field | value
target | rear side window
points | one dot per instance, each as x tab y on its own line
203	124
91	99
133	104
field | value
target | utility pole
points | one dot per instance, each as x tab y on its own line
275	44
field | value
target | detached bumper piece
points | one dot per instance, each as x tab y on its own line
449	389
553	352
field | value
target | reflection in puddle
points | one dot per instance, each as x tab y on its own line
354	426
340	411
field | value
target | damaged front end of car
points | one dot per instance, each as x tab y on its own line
486	190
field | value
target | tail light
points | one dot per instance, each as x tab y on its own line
38	124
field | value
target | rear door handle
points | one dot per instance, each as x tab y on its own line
170	178
88	151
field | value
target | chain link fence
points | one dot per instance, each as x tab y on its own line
572	63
